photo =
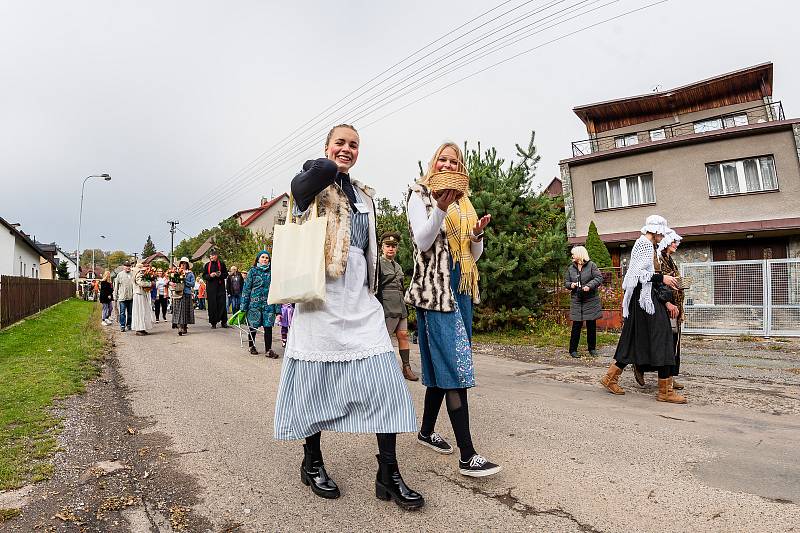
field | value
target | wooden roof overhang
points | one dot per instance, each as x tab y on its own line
741	86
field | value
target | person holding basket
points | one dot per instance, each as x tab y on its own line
447	236
339	371
181	284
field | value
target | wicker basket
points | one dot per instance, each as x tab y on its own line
457	181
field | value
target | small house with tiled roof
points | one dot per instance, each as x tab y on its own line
262	219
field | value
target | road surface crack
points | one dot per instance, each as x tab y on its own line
513	503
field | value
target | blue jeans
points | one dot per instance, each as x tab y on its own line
233	303
107	310
125	313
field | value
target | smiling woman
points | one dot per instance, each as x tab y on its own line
339	372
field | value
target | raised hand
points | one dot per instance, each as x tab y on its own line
446	197
481	223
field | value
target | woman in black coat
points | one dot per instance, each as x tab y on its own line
582	279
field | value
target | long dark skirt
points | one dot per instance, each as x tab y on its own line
646	340
183	310
217	308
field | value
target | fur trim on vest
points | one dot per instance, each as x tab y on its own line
430	282
334	205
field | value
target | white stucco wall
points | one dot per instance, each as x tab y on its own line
71	268
6	252
29	258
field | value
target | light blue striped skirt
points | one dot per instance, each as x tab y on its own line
362	396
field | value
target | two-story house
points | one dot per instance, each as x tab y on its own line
717	158
262	219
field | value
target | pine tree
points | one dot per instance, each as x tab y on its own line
525	241
149	248
598	252
63	271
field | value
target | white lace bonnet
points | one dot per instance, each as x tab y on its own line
669	237
655	224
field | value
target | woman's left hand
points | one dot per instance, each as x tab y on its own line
673	310
481	223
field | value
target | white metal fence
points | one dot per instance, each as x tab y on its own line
743	297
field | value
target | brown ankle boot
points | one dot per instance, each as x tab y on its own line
676	385
409	374
611	380
667	394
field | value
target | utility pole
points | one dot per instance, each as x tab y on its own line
172	224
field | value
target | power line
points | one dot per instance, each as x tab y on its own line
304	144
494	65
377	76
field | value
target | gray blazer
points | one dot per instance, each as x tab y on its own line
584	305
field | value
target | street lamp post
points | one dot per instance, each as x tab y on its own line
105	177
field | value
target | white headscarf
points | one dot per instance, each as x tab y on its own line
641	267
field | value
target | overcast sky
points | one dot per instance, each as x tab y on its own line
173	98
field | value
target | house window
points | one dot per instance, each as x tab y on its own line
658	135
626	140
285	203
735	120
624	192
708	125
712	124
754	174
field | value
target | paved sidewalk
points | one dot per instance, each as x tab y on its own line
575	458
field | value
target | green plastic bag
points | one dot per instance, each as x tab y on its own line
239	318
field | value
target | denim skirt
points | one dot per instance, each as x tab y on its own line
445	342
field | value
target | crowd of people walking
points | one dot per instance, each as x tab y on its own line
340	372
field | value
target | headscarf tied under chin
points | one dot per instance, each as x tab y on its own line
258	256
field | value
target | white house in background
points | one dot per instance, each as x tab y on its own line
262	219
19	256
53	255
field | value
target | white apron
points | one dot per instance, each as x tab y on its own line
348	326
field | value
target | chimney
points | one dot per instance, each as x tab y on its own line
264	200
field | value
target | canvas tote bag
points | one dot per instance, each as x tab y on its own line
298	259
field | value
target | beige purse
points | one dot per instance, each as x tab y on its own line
298	259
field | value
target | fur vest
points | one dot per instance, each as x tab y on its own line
430	282
334	205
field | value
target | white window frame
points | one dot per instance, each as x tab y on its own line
623	186
710	124
660	134
740	176
629	139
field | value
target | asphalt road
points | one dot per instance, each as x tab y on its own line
575	458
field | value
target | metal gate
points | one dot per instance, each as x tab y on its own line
743	297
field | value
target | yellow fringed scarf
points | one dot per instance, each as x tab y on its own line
461	218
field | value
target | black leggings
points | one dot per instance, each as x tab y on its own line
251	337
387	446
575	336
457	408
161	303
664	372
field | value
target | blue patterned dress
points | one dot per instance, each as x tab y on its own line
254	298
445	342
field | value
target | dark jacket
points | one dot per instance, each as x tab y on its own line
106	292
234	284
584	305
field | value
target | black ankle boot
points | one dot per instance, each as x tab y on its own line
389	485
312	473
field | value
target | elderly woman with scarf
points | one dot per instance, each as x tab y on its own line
254	303
339	371
447	237
646	338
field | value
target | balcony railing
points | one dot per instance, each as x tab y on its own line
752	115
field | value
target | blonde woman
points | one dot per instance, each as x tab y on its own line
106	293
447	236
582	279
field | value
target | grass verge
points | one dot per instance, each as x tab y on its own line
42	359
542	334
